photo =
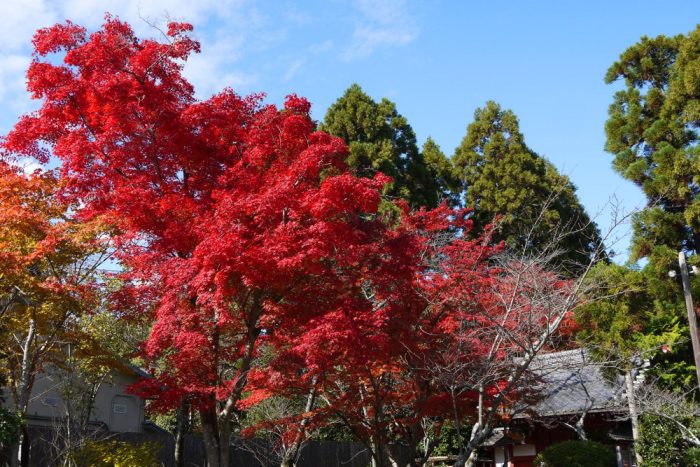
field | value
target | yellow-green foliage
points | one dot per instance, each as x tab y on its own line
117	454
652	133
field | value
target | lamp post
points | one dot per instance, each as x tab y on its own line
692	317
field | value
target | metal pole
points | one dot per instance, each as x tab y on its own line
692	318
618	456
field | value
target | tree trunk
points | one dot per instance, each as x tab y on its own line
634	417
20	459
468	457
580	429
379	455
181	428
217	438
291	455
415	437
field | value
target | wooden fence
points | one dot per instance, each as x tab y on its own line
255	453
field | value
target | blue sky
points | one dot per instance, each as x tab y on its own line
438	60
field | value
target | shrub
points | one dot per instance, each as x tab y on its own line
116	454
691	457
659	441
10	425
576	454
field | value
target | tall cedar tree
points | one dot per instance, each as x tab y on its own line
502	176
381	140
652	133
236	221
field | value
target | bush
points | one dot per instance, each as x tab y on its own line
116	454
576	454
691	457
10	425
662	443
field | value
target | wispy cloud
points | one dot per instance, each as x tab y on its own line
382	23
293	69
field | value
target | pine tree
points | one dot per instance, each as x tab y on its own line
651	131
502	178
443	171
381	140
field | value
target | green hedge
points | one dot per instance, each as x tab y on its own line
576	454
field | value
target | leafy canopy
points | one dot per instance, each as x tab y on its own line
504	179
652	133
381	140
48	260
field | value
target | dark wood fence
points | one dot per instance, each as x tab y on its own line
250	453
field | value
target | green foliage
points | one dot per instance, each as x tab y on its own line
502	176
642	315
443	170
691	457
117	454
576	454
651	131
334	432
10	424
381	140
661	443
448	442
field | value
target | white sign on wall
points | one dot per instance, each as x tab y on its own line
522	450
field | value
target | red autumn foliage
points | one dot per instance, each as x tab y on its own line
373	369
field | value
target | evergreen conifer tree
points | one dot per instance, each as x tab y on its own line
381	140
503	178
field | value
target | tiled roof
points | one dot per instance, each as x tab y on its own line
571	382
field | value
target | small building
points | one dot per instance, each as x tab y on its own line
577	394
113	408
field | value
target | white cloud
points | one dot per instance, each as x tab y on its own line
91	12
293	69
382	23
224	27
232	33
212	71
321	47
20	20
28	165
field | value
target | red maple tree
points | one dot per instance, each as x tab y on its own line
373	369
236	219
